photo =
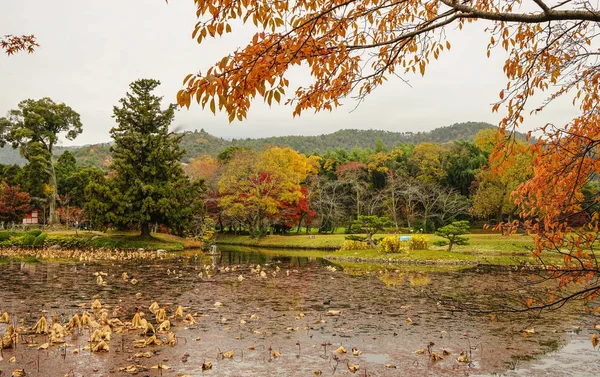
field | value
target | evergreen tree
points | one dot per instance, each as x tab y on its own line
148	184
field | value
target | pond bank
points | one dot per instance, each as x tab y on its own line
484	249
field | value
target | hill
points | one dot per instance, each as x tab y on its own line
200	142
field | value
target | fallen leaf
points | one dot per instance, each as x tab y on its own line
207	365
356	351
228	355
276	354
45	346
435	357
353	367
445	352
333	312
12	360
341	350
421	351
595	340
462	358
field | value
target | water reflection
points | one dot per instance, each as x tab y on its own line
305	308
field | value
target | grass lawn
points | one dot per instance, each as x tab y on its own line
128	240
493	249
477	242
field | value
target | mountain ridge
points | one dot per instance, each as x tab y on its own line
200	142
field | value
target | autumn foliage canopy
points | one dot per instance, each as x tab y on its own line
353	46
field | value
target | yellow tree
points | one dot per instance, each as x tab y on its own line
255	187
353	46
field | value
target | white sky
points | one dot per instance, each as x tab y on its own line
91	50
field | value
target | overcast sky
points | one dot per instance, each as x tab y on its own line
91	50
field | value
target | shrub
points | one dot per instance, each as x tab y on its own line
28	239
453	233
355	237
39	240
440	243
6	235
35	232
355	245
391	244
418	242
68	242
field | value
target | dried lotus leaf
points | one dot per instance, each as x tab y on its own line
96	336
96	306
179	312
136	322
164	326
154	307
161	315
171	339
4	318
153	340
189	320
9	338
75	323
103	320
41	327
101	347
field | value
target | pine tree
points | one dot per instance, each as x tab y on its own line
148	184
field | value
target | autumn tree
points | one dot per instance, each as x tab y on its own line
14	203
255	187
492	196
34	128
352	47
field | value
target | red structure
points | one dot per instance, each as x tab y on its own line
32	217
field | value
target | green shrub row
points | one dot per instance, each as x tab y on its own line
37	238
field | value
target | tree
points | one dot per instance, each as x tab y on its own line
354	173
463	161
427	163
13	203
371	225
13	43
453	233
255	188
148	184
354	46
493	191
34	128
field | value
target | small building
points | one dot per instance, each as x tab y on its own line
33	216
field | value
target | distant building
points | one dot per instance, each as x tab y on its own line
32	217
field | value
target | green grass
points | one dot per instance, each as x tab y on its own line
492	249
477	242
128	240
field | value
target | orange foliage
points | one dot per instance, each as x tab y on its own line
202	167
353	46
12	43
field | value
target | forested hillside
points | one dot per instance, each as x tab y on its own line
200	142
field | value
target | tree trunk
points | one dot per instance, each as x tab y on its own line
145	229
370	240
53	218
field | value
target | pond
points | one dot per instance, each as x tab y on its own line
289	317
